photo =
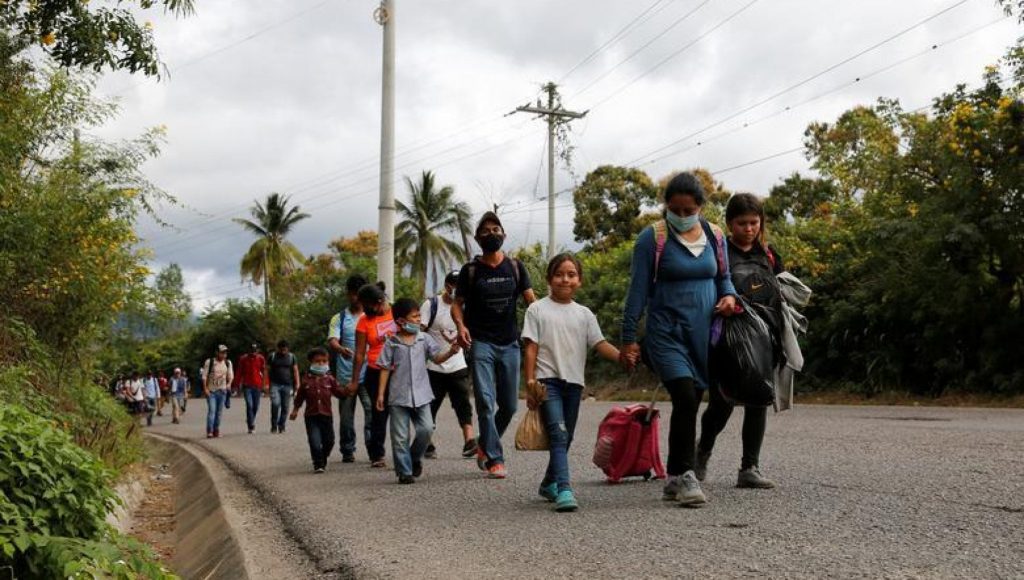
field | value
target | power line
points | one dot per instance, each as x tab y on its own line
804	81
809	100
617	36
665	31
673	55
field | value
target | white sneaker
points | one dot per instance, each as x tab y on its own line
691	494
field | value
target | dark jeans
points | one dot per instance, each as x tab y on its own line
717	415
320	434
682	431
560	411
378	419
347	421
456	387
151	403
252	404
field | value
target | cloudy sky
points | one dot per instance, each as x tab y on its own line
284	95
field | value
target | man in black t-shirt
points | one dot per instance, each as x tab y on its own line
485	305
283	370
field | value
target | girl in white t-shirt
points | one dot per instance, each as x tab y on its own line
559	333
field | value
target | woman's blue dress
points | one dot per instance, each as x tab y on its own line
679	305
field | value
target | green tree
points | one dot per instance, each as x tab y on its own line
609	204
420	235
77	35
271	256
173	303
923	284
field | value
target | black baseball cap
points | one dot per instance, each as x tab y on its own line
452	277
489	216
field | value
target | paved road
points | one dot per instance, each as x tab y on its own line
863	492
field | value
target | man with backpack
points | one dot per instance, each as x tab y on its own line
484	310
341	340
217	376
283	371
450	378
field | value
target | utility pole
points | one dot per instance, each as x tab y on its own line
555	115
385	16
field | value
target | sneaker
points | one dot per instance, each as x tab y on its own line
691	494
318	470
481	459
209	434
566	501
348	458
672	488
417	469
496	471
469	449
751	478
378	464
251	430
431	452
273	430
406	479
701	470
281	429
548	491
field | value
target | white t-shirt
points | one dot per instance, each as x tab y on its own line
697	246
443	331
135	390
564	334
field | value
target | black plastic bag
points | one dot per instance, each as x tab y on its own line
741	358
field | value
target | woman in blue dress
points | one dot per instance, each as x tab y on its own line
680	276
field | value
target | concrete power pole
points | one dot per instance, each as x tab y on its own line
555	115
385	16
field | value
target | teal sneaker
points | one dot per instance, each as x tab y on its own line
549	491
566	501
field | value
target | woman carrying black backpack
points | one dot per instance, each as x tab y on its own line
753	265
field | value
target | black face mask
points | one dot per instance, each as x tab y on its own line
491	242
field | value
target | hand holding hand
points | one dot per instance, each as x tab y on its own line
629	355
294	415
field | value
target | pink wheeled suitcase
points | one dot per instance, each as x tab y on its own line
627	443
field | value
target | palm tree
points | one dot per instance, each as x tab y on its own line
271	256
420	235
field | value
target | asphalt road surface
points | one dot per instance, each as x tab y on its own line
873	492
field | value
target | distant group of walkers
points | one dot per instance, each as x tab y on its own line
399	360
148	395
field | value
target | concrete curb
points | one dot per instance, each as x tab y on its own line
205	546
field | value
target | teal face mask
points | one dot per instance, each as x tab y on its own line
319	369
682	224
411	327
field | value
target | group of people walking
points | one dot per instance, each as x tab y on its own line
148	395
400	360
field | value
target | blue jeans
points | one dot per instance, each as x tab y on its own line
560	411
252	404
347	421
280	403
320	435
404	456
496	387
214	409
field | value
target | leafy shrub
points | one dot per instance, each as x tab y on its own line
54	498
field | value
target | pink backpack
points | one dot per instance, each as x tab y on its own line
627	443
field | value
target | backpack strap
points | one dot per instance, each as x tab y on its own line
771	257
433	312
660	237
720	248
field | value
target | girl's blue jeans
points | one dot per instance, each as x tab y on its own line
560	411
